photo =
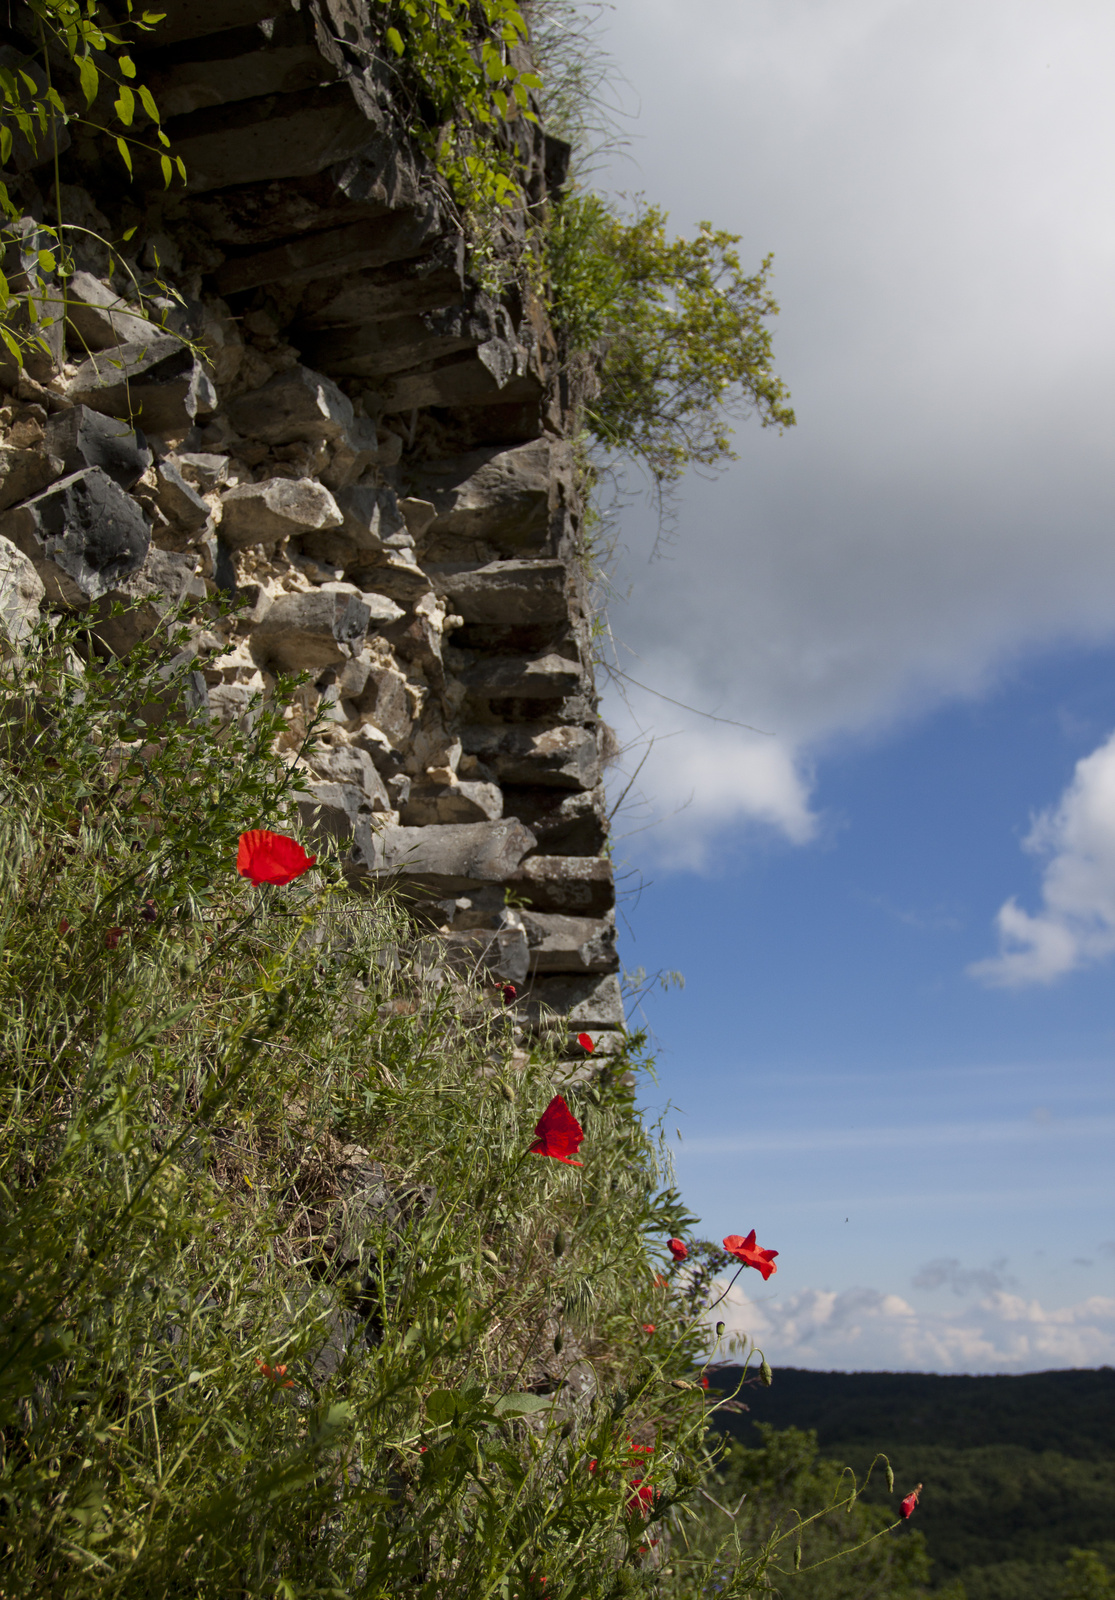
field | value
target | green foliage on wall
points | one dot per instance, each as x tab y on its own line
681	330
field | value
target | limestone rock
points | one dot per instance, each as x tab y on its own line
178	500
588	1002
82	437
566	822
295	405
270	136
349	765
311	631
334	251
21	590
500	496
576	885
333	810
564	758
156	381
384	702
164	581
447	859
393	575
570	944
451	802
506	593
25	472
494	955
262	513
97	318
540	677
84	535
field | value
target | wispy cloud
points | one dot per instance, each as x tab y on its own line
1076	923
862	1329
947	1272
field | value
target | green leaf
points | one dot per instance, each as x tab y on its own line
181	165
441	1406
147	100
5	144
90	79
47	263
168	170
395	40
127	67
11	343
125	107
521	1405
125	153
128	233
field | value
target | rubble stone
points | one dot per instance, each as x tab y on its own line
156	382
21	591
165	580
506	593
82	437
84	536
445	859
570	944
261	513
565	758
311	631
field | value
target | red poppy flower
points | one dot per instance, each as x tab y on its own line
112	937
63	927
659	1281
585	1042
275	1374
643	1497
910	1502
559	1134
747	1251
677	1249
271	858
149	911
704	1383
648	1327
509	992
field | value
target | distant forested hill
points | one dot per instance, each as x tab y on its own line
1017	1470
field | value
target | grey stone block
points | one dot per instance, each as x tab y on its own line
83	437
21	591
577	885
459	802
541	677
273	136
562	758
500	496
262	513
98	319
498	954
369	243
566	822
333	810
506	593
444	860
156	382
587	1002
394	575
349	765
486	378
165	580
296	405
570	944
191	19
84	535
178	500
311	631
26	472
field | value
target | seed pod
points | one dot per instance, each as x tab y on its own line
559	1242
508	1093
558	1343
490	1257
720	1330
766	1376
890	1477
679	1383
797	1558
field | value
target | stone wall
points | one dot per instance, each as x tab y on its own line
373	456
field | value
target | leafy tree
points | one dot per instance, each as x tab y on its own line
1086	1578
754	1494
681	330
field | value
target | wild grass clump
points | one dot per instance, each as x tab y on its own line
286	1305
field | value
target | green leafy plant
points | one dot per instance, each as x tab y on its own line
681	333
32	111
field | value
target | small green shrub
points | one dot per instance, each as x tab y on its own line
680	330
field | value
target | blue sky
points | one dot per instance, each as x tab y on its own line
895	907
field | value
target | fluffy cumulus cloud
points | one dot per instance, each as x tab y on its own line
936	195
1075	923
862	1329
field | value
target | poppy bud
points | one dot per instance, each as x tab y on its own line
720	1330
566	1429
679	1383
797	1557
149	911
559	1242
766	1376
490	1257
508	1093
910	1502
558	1343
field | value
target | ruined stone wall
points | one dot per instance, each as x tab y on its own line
374	457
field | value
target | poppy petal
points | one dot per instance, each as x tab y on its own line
585	1042
271	858
558	1133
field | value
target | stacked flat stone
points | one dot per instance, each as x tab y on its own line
372	456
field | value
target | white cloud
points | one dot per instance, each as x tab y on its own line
862	1329
936	197
1076	924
